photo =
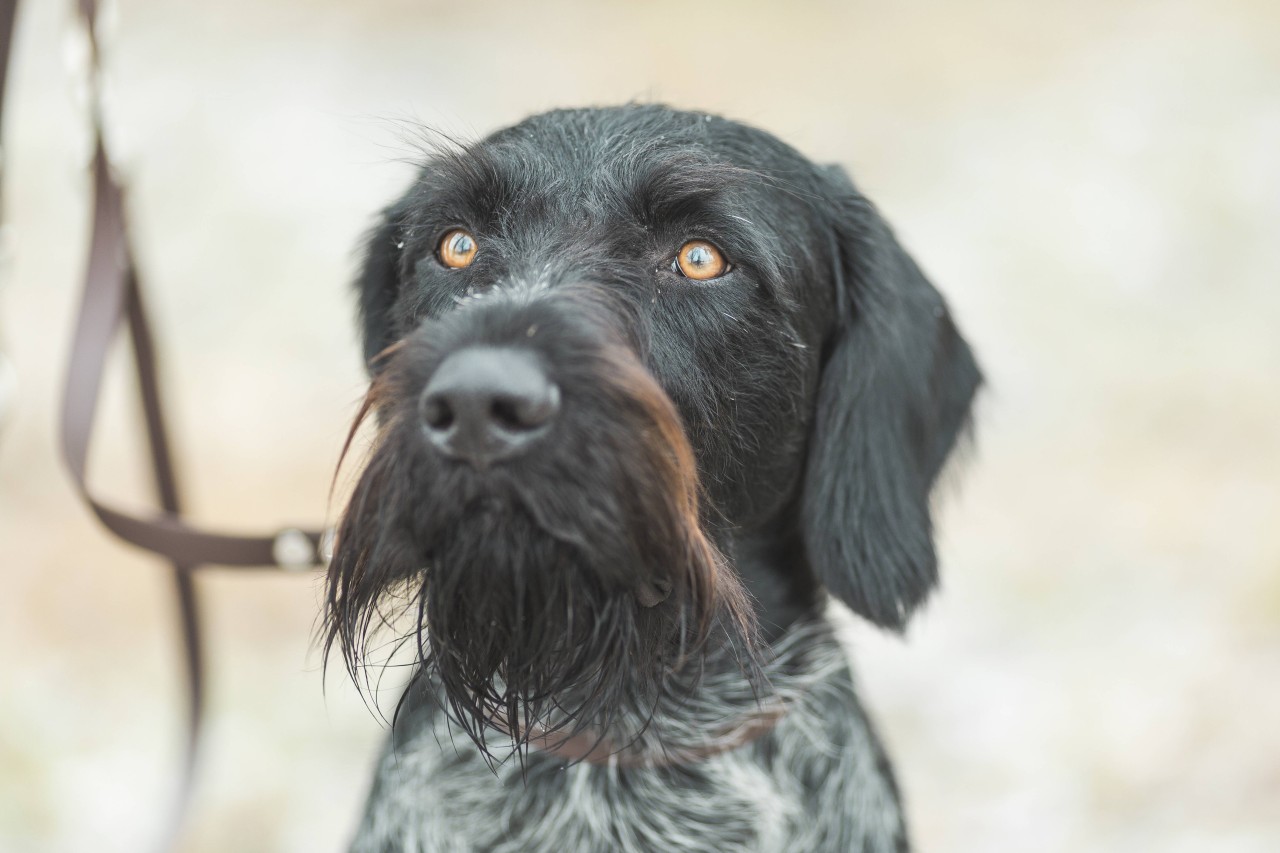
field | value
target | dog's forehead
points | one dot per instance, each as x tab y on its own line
613	138
603	159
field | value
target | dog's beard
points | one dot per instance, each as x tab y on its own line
523	629
565	595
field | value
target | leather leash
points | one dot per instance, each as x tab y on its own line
112	299
8	382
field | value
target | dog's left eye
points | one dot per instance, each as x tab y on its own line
700	261
457	249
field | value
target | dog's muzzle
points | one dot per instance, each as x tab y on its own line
531	507
485	404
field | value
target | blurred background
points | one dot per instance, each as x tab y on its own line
1095	185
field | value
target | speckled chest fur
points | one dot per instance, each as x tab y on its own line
818	783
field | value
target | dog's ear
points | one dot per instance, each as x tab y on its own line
379	282
895	393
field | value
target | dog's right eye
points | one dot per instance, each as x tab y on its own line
457	249
700	261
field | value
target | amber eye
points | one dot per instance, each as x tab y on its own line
701	261
457	249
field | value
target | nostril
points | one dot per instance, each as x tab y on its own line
506	413
528	411
437	412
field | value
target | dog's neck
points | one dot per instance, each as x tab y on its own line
770	561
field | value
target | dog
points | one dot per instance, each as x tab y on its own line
649	385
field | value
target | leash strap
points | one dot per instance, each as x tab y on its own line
112	298
8	379
8	11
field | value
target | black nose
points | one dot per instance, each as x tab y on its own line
485	404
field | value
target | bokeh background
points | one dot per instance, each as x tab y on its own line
1094	184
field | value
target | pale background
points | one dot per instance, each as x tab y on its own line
1095	184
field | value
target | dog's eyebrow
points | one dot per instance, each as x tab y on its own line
690	191
466	185
678	187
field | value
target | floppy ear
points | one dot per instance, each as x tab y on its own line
895	393
379	282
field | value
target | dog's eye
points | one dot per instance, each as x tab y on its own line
700	261
457	249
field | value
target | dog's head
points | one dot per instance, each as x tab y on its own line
606	344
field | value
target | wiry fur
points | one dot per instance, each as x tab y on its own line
651	572
818	783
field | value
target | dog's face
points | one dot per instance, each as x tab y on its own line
607	344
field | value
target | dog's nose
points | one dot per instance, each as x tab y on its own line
484	404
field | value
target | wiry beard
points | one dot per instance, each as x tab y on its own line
552	594
524	631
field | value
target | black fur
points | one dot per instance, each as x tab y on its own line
896	392
741	442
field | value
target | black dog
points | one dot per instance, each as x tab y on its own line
647	382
